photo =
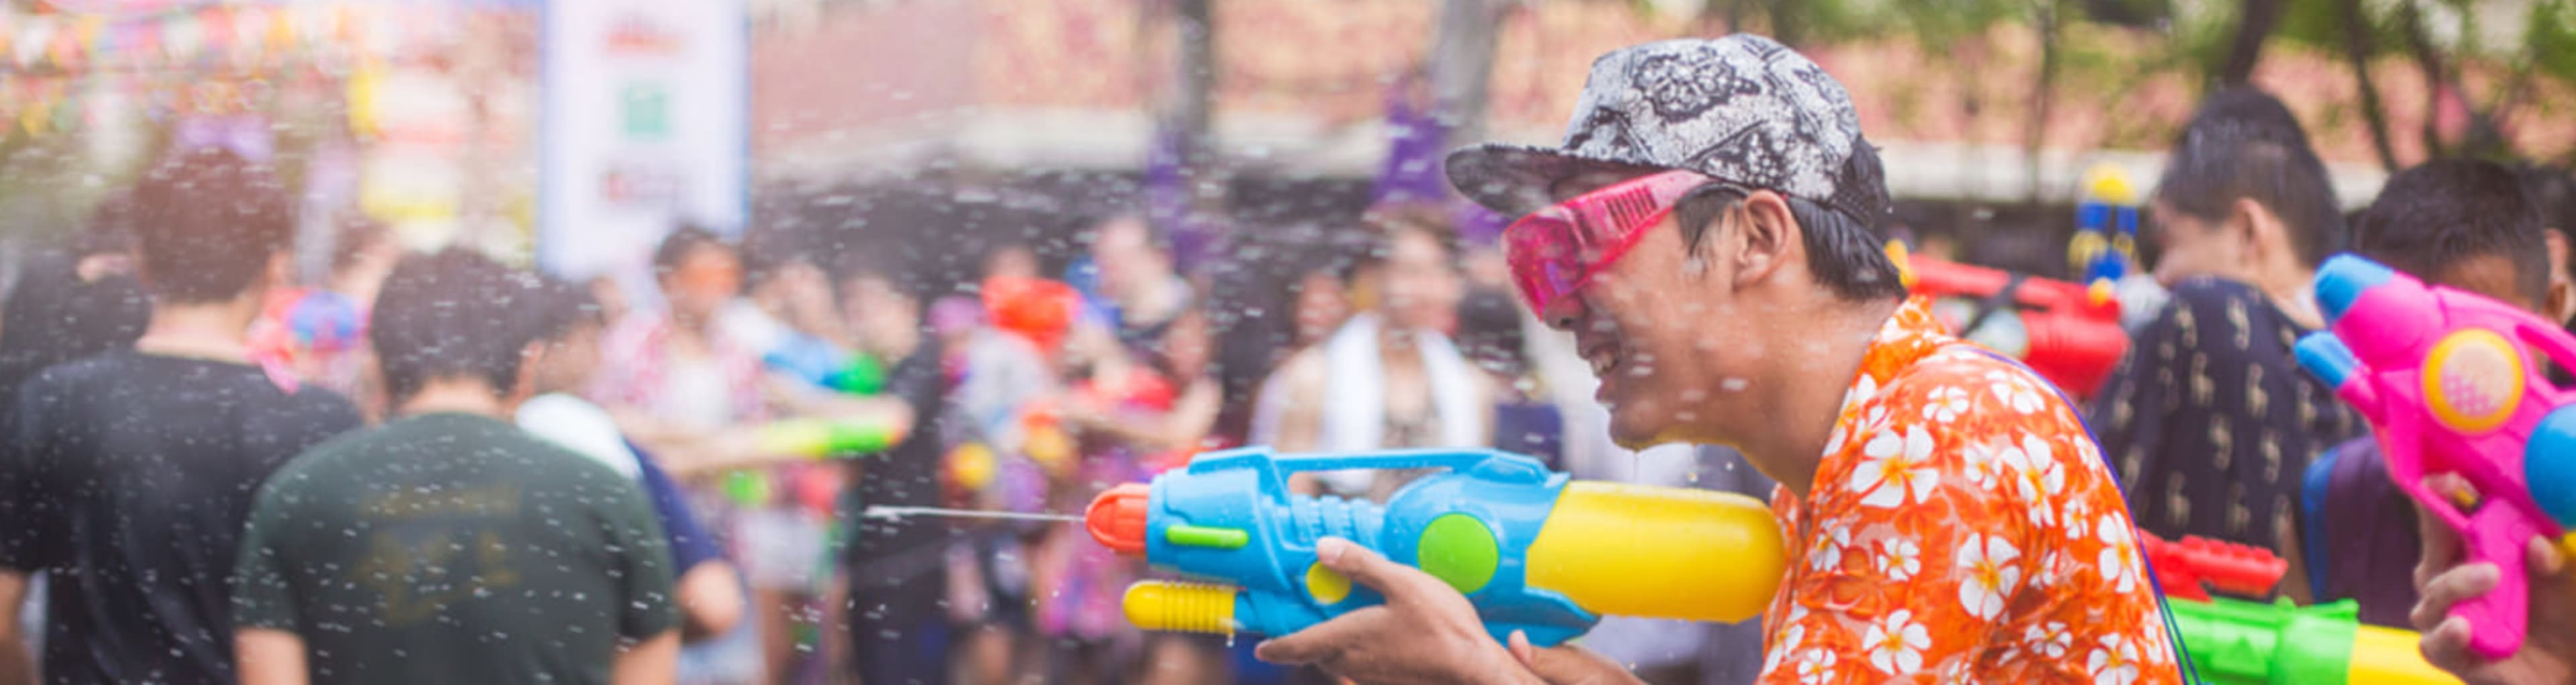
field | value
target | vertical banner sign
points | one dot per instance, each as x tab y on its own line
646	106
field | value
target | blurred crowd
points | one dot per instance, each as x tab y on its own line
772	392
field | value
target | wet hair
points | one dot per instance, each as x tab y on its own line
890	260
454	314
2553	193
110	230
2244	144
559	306
682	242
1843	251
206	223
2440	214
356	235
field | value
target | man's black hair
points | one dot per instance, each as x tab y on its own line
680	243
206	223
2552	191
768	252
355	237
893	261
1843	251
110	230
559	306
2244	144
453	314
2437	215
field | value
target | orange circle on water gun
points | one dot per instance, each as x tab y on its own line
2472	380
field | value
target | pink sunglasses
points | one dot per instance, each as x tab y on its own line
1555	251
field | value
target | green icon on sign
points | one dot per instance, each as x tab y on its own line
647	107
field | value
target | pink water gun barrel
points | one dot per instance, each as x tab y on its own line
2448	381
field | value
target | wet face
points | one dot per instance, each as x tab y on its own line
882	316
2193	247
1321	305
1421	288
1672	343
1128	261
703	282
1012	262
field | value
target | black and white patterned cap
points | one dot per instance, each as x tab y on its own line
1743	109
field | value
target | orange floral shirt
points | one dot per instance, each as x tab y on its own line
1961	528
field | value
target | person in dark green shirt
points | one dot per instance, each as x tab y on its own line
448	546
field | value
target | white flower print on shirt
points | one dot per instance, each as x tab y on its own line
1817	667
2077	515
1828	552
2037	475
1896	644
2013	391
1789	641
1946	404
2114	662
1899	559
1896	469
1990	575
2114	562
2051	639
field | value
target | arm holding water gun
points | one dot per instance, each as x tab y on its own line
2477	434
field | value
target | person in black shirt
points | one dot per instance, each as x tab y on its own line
2210	420
448	546
129	473
897	567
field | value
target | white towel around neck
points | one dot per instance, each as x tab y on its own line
1354	416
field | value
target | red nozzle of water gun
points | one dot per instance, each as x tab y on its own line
1117	518
2184	566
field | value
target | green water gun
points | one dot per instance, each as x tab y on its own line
2237	642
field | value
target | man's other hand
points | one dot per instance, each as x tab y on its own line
1425	632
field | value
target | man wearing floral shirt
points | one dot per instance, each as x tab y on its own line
1705	232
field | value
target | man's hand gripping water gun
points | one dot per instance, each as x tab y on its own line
2445	379
1532	551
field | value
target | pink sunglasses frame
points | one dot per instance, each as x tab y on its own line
1555	252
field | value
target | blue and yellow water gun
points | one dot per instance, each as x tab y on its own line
1533	550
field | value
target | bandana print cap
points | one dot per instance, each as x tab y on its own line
1743	109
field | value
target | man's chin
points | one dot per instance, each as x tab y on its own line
1636	433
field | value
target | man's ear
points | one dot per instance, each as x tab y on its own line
2561	302
1770	237
2257	228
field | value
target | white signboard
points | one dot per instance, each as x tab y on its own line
645	127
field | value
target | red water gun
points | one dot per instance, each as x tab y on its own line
2068	333
2183	568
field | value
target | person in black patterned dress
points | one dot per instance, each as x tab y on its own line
2210	419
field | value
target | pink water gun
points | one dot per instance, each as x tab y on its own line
2448	380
